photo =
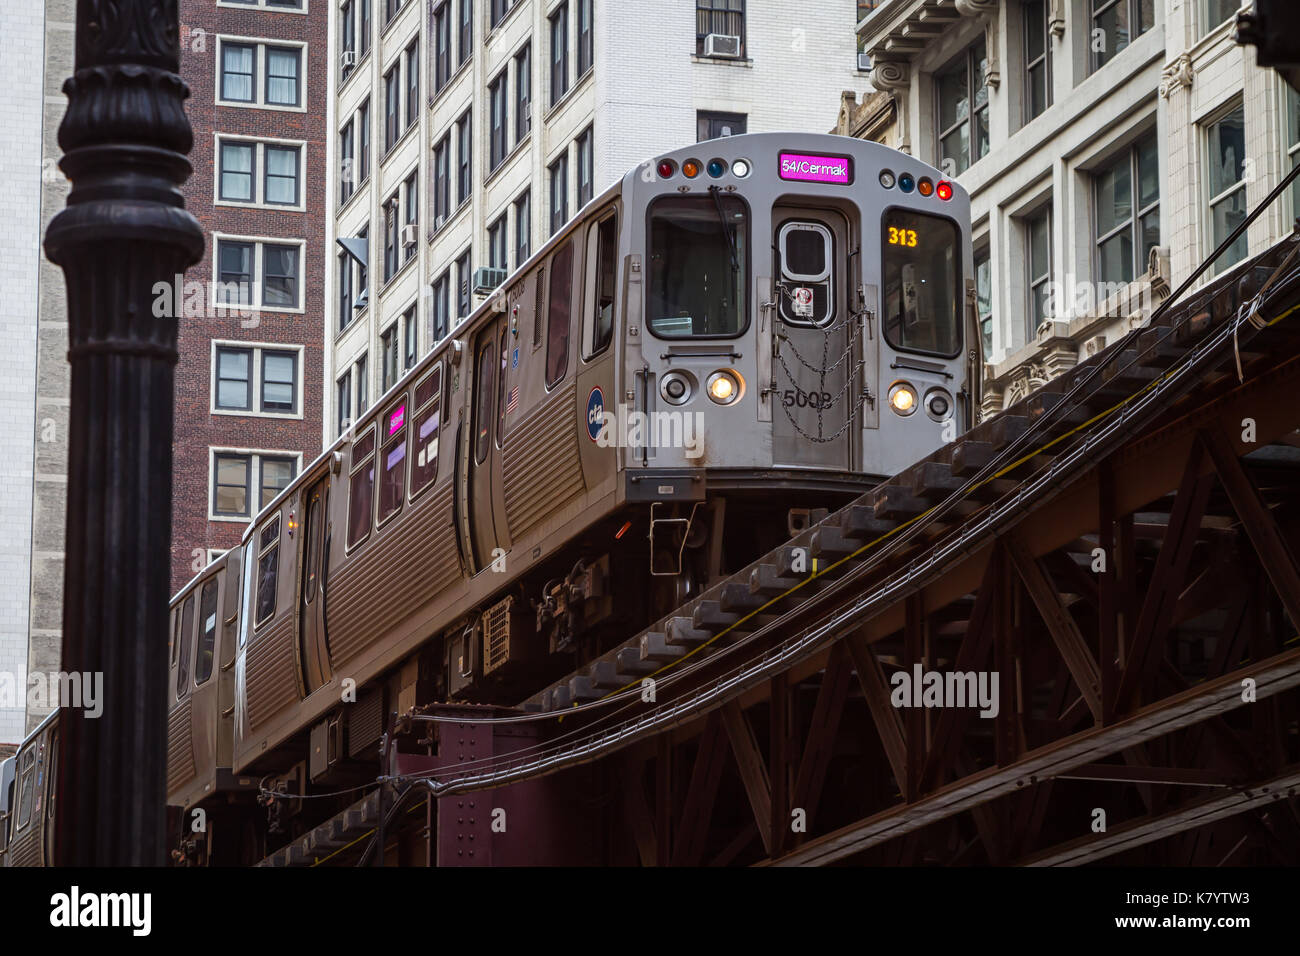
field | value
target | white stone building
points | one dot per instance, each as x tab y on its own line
523	112
1107	146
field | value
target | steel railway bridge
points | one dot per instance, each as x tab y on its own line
1119	549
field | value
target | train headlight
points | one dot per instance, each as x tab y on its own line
740	168
887	178
938	404
676	387
724	387
902	398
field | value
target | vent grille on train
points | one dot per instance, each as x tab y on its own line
366	723
496	634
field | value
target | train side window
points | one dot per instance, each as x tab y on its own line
186	638
175	635
424	439
393	477
501	390
539	308
602	250
208	639
361	489
921	278
557	315
26	788
484	393
699	263
246	589
268	571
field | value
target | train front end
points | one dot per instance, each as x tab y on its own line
799	318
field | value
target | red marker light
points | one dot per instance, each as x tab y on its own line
666	168
943	191
623	530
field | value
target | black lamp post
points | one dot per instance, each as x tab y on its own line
125	137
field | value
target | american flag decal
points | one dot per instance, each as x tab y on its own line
512	400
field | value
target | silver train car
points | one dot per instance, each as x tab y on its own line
732	336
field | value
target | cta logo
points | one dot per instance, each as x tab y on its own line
595	413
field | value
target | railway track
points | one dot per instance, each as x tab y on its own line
1002	499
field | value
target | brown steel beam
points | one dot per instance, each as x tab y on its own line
871	678
753	773
1274	555
821	733
701	793
1196	704
637	811
1195	814
1175	776
1060	624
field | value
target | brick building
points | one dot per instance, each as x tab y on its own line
249	380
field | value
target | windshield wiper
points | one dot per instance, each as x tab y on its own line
722	221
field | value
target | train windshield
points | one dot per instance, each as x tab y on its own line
921	276
699	260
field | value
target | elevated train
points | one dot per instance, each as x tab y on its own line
733	335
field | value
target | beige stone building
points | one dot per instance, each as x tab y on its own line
1107	145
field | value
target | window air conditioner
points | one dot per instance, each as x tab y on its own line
719	44
410	234
486	279
349	58
864	62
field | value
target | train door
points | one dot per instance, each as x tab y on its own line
490	399
313	653
596	371
203	699
814	348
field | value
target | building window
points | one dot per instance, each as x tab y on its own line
559	53
464	157
498	141
234	379
412	213
441	181
348	39
466	29
1127	207
586	51
412	83
714	125
523	92
1227	179
363	125
439	308
984	299
388	358
1038	264
343	401
585	186
239	260
233	495
238	72
523	229
345	290
360	371
1214	12
392	106
724	17
275	385
347	163
391	226
365	28
390	9
237	178
410	338
498	11
1115	23
441	46
497	244
559	180
963	129
283	66
463	281
1038	58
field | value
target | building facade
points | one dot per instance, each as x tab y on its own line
249	381
1107	146
468	131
